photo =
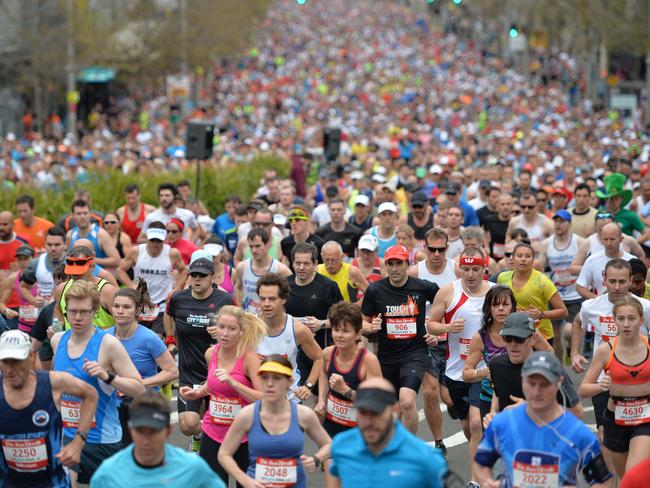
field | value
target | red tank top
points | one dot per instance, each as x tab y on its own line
623	374
132	228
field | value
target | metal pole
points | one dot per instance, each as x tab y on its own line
71	86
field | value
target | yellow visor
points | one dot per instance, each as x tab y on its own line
273	367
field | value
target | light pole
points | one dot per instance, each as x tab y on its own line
72	96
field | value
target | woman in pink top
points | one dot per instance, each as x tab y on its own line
232	381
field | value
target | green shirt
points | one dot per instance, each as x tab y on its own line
629	221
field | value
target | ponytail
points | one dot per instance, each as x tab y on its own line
140	297
253	328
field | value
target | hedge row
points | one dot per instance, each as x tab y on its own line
107	188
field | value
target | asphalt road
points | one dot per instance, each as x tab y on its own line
454	439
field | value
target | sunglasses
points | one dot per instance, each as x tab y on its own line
78	261
440	250
418	206
518	340
110	222
198	275
508	254
173	231
516	212
262	224
527	207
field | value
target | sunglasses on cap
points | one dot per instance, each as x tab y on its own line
439	250
77	261
518	340
604	215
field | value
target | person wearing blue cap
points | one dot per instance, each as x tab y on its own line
558	252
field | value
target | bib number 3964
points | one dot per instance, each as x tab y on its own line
276	473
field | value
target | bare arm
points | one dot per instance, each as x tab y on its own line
240	426
590	387
357	278
310	347
238	284
112	259
127	263
168	371
239	251
581	257
413	271
127	379
470	373
179	266
585	292
435	324
578	361
314	429
284	271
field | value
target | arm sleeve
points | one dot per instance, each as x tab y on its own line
335	294
432	291
638	223
549	288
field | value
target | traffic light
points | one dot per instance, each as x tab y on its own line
514	31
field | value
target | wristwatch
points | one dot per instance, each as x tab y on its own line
309	385
323	325
111	377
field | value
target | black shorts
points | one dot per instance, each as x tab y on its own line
45	352
646	250
617	437
92	456
408	372
600	406
156	324
183	405
437	362
463	395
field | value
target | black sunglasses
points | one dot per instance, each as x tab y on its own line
518	340
434	250
507	254
77	261
527	206
110	222
418	206
198	275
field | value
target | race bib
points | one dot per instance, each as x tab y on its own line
28	313
276	473
442	337
562	278
608	327
25	455
632	412
341	411
223	410
149	314
464	347
536	470
498	250
70	414
401	327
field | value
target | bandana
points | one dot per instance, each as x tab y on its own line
471	261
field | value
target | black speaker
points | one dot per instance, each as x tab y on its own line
198	140
331	143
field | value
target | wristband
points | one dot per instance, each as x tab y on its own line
170	340
110	378
317	462
83	435
348	394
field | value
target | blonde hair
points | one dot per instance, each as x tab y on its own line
632	302
253	328
406	229
82	289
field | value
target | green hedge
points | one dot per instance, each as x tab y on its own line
107	188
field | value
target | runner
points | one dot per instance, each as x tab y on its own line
625	362
9	242
30	432
583	215
474	236
151	461
28	304
538	226
345	365
263	219
395	307
349	279
337	229
497	225
406	237
299	224
167	193
188	315
225	222
453	230
286	335
120	238
420	218
540	443
99	359
249	271
133	212
29	225
106	254
232	381
276	429
176	241
362	217
385	230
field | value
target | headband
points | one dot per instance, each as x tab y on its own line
471	261
178	222
297	214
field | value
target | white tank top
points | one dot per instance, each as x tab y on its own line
469	308
559	261
454	248
447	276
536	231
157	272
594	245
44	278
283	344
251	300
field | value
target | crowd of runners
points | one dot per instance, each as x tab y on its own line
480	234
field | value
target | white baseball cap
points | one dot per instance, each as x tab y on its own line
387	207
15	344
213	249
368	242
154	233
362	200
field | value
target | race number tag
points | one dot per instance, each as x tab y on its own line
25	455
149	314
563	278
608	327
498	250
536	470
223	410
70	414
341	411
401	327
276	473
464	347
28	313
632	412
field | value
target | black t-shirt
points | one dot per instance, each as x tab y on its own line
314	300
192	317
288	242
43	321
362	226
484	213
399	307
497	229
506	379
348	237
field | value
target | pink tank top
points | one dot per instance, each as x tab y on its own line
226	283
225	402
27	313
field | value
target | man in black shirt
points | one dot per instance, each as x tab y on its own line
361	218
310	298
347	235
493	193
192	311
395	307
299	223
497	225
505	370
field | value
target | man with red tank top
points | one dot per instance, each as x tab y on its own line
133	213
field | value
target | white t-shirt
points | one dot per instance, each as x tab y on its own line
592	274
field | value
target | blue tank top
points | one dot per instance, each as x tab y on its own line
93	236
30	438
384	244
289	445
489	351
107	429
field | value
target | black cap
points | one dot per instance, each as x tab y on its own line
255	204
374	399
452	188
148	416
25	250
419	198
202	265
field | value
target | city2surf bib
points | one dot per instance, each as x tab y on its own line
223	410
341	411
633	411
276	473
608	327
532	469
25	455
401	320
70	412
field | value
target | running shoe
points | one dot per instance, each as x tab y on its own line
443	449
195	444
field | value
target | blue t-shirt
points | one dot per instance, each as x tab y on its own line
548	455
144	346
180	468
406	462
222	224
